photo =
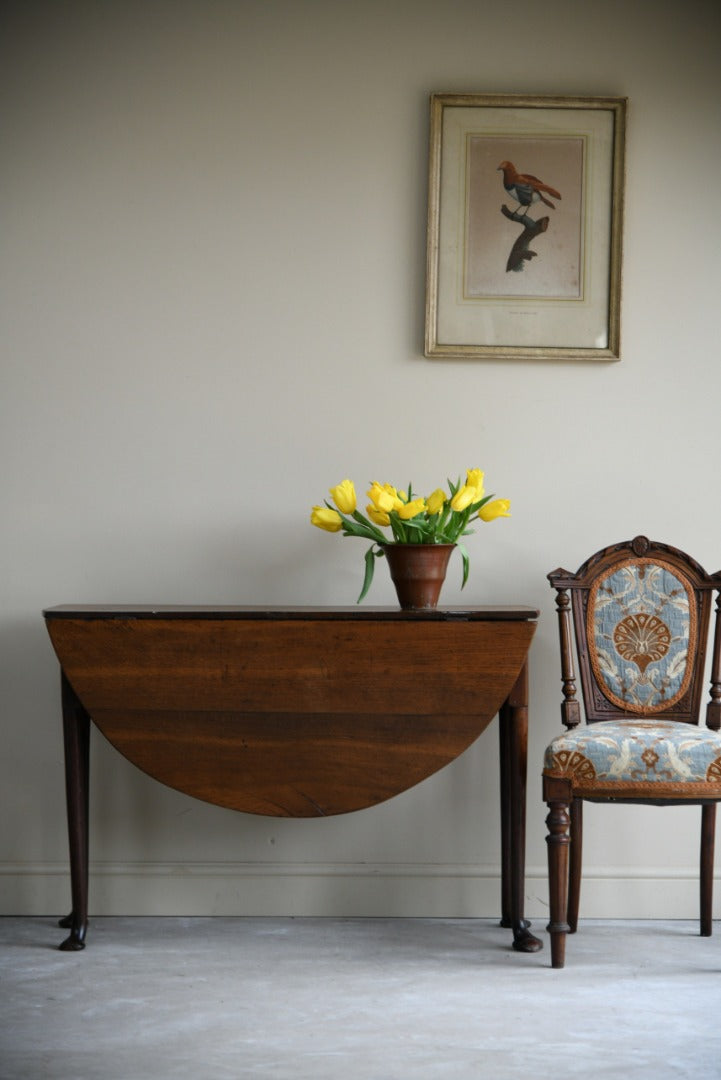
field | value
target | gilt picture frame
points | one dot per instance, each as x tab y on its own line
525	224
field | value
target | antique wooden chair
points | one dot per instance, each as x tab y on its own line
640	611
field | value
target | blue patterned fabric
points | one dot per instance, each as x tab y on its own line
660	757
641	632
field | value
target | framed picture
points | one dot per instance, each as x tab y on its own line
525	215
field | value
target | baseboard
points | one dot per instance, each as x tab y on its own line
324	889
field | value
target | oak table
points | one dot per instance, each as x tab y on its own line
294	712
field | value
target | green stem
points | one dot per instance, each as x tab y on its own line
380	537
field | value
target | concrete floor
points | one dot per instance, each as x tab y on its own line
356	999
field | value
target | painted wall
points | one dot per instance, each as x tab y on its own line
213	263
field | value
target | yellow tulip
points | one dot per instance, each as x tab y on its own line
343	495
495	509
378	516
399	497
325	518
436	501
463	498
474	479
411	509
381	498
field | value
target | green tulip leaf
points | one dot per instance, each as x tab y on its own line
370	558
466	564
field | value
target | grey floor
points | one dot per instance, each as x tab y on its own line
356	999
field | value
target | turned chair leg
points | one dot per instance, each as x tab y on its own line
575	864
558	822
708	831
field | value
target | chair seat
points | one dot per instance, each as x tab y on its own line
638	758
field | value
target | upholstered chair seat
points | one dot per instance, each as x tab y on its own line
628	758
637	617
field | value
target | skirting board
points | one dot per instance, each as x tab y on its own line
344	890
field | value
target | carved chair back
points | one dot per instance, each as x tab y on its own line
639	613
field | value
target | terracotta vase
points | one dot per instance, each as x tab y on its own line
418	572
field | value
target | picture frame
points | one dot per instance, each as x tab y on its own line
525	223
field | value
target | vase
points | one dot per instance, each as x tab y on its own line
418	572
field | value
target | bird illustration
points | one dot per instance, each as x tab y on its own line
524	188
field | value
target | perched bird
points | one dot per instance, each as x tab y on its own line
524	188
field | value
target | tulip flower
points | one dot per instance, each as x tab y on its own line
412	509
378	517
326	518
495	509
436	501
474	478
382	498
343	496
463	498
399	497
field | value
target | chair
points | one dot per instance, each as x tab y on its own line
640	614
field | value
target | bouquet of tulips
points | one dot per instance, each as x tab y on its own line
439	518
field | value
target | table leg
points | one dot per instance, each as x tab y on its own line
504	749
513	726
76	736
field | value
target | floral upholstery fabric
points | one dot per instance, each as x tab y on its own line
641	627
654	758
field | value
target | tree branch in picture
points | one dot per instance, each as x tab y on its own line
520	252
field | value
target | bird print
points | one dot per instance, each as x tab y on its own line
524	188
618	766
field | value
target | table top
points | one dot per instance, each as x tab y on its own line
290	711
492	613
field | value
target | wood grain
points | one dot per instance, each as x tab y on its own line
290	713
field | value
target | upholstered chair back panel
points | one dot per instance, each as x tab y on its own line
642	628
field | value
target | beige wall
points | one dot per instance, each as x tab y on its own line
213	230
